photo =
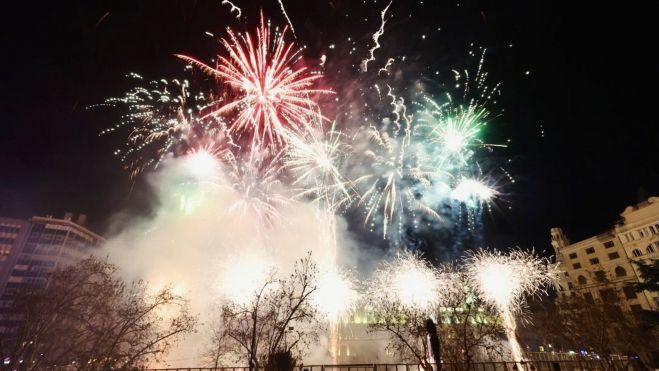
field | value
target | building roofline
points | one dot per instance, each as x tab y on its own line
68	222
640	205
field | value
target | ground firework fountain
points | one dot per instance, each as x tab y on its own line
504	281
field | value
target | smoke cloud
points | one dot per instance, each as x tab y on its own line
195	234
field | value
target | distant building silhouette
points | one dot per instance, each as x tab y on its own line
32	249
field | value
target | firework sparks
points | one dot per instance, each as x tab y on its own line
336	294
162	119
454	129
385	68
471	192
315	165
376	38
283	10
202	164
408	280
233	8
273	95
396	173
504	281
258	186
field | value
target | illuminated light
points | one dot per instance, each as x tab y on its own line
336	295
376	39
407	280
202	165
243	274
471	191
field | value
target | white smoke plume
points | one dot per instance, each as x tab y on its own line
192	236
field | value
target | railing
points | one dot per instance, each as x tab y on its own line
528	365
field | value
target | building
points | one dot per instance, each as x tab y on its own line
354	343
13	233
31	249
596	265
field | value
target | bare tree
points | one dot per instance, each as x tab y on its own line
87	318
469	330
407	326
601	323
278	318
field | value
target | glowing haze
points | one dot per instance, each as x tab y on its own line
252	174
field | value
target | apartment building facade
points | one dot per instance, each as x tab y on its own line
596	265
32	249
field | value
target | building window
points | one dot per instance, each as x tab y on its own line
650	249
582	280
589	298
640	233
653	229
637	252
608	295
629	291
609	244
573	255
590	250
600	276
620	272
614	255
594	261
576	265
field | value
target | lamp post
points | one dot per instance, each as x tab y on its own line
435	347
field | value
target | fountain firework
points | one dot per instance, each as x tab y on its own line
504	281
407	280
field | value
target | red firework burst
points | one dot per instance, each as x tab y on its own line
273	89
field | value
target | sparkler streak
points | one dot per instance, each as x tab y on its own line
233	7
163	119
376	39
384	68
281	5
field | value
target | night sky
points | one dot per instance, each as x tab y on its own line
591	87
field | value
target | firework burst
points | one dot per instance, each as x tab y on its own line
273	89
163	118
258	188
397	174
315	164
472	192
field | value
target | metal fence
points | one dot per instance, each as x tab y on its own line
528	365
